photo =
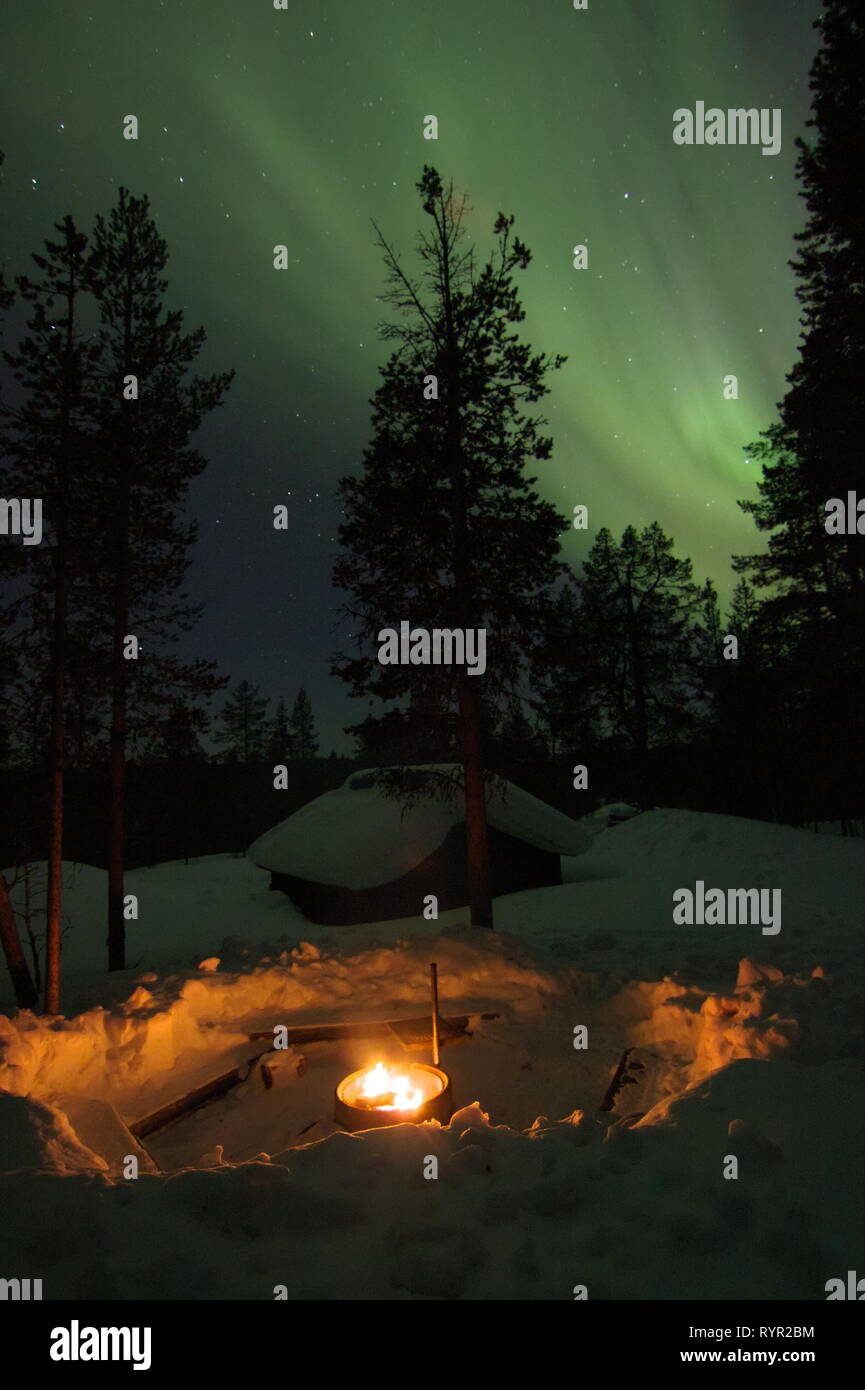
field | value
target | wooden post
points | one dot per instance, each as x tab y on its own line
434	992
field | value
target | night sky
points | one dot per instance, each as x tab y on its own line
260	127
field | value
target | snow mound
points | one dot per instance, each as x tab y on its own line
769	1014
38	1137
98	1125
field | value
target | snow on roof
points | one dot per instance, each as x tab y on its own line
359	837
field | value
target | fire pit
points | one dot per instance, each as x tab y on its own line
380	1095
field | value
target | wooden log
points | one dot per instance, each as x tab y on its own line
618	1079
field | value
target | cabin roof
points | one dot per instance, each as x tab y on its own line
359	837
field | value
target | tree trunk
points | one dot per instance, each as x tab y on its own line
25	990
641	716
117	831
477	840
56	759
57	747
469	722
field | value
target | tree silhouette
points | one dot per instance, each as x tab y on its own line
304	740
243	724
623	665
443	527
814	582
280	736
48	438
148	412
7	294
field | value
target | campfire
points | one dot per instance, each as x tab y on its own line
380	1089
393	1095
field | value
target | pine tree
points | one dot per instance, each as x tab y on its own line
625	655
304	740
7	294
47	439
814	582
744	610
813	452
709	630
281	748
177	737
708	652
519	749
561	696
443	527
8	663
244	729
148	412
751	710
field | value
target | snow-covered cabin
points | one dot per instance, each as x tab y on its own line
358	854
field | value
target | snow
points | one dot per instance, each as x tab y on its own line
628	1212
357	837
745	1045
34	1135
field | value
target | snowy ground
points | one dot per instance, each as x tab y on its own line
763	1061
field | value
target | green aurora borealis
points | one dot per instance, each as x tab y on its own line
260	127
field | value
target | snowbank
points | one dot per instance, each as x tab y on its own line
39	1137
171	1033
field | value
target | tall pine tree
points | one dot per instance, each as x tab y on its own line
814	581
8	663
149	409
243	724
443	527
48	438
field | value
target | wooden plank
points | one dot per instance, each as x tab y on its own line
414	1033
184	1105
417	1030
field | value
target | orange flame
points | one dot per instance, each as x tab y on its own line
385	1090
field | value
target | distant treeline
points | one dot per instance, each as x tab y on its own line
180	810
198	806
